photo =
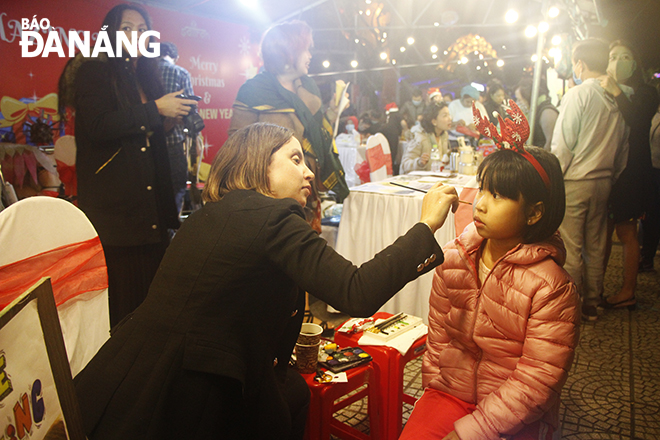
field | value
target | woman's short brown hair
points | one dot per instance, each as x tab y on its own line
283	44
242	162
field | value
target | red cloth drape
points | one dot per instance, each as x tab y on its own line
74	269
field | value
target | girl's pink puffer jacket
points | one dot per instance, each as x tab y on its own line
507	345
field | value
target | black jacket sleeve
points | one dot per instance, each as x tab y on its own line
317	268
639	111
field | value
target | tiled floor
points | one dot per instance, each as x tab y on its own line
613	390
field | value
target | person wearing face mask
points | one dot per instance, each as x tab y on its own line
124	182
412	110
590	141
351	125
635	188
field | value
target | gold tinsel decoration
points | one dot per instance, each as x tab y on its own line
467	46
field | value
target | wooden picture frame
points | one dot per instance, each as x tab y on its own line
36	387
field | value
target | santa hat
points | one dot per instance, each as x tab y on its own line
434	92
391	107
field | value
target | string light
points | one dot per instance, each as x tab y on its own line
354	64
530	31
411	40
500	63
434	48
383	55
553	12
326	64
511	16
556	40
543	27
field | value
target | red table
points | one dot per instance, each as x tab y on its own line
389	365
320	423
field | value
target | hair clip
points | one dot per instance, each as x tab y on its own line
513	134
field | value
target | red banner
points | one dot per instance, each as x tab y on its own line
218	55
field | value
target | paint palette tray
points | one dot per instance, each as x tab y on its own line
393	327
341	360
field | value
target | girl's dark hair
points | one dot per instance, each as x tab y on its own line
430	113
637	77
509	174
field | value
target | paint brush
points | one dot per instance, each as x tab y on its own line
423	191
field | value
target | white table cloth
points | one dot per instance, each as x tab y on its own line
376	214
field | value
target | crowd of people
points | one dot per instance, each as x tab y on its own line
204	324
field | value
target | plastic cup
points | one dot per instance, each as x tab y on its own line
310	334
307	357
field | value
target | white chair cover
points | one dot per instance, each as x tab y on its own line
379	157
32	227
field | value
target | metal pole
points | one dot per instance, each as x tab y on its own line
540	42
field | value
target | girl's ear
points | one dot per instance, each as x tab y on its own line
535	213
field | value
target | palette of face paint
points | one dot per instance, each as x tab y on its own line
394	326
341	360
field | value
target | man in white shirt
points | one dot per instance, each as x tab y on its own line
590	141
461	108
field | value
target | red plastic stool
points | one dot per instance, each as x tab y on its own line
389	373
320	423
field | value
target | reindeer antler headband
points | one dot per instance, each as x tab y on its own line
513	134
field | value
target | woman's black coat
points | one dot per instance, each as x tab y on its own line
228	301
124	183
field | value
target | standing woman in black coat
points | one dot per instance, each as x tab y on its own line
206	355
124	186
631	193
